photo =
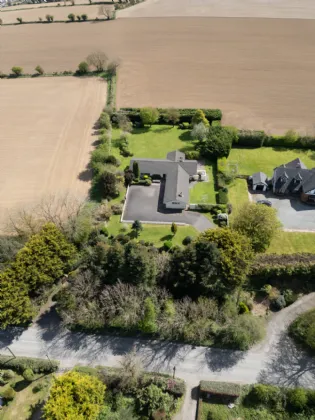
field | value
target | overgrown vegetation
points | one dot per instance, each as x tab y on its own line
303	330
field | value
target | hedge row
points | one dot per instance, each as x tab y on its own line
186	114
296	270
221	388
19	364
253	138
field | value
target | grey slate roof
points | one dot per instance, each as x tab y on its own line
175	156
259	178
177	171
293	177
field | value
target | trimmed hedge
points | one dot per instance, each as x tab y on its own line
185	115
221	388
284	270
254	138
20	364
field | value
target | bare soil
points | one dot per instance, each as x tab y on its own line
46	135
59	13
260	72
296	9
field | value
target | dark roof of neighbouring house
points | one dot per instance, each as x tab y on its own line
259	178
177	171
292	176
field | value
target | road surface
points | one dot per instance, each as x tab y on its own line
276	360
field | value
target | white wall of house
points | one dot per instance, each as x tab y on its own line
181	205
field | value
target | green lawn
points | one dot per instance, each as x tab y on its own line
238	194
26	398
265	159
157	234
292	242
204	192
221	411
154	142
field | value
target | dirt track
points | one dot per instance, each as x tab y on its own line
46	128
59	13
284	9
261	72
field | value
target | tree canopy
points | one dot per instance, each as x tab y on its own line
235	255
199	117
149	115
259	223
75	396
218	142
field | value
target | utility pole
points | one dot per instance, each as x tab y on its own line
11	352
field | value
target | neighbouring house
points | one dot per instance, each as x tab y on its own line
288	179
177	173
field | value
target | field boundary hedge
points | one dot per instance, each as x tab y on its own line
19	364
258	138
186	114
296	270
45	22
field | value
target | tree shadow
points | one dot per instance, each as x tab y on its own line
185	136
86	175
218	359
167	238
163	129
21	385
9	335
141	130
289	365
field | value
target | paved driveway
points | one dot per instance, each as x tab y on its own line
292	213
146	204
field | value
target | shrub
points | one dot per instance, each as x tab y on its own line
39	70
303	329
243	332
112	160
168	245
149	115
8	394
19	19
104	231
218	142
104	121
49	18
243	308
17	70
71	17
8	374
38	387
192	155
279	303
28	375
222	197
84	17
83	67
78	17
187	240
199	117
19	364
263	394
289	296
147	182
148	323
297	399
117	208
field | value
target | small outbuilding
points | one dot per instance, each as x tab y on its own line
259	181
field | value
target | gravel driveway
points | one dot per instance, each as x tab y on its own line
146	204
292	213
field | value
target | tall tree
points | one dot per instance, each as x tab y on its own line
235	255
97	59
149	115
174	228
259	223
172	116
136	169
199	117
75	396
218	142
137	227
108	182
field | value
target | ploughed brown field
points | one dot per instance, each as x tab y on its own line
260	72
46	135
59	13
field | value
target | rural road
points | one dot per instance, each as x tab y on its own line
276	360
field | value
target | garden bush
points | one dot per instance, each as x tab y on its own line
28	375
17	71
297	399
20	364
104	121
263	394
303	329
8	394
192	155
222	197
8	374
187	240
117	208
